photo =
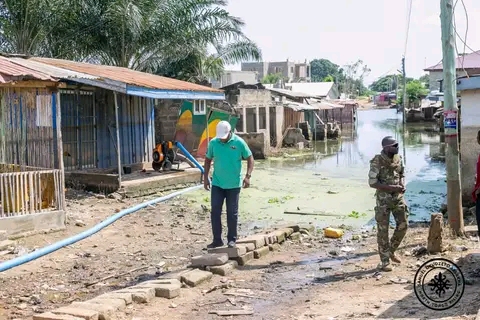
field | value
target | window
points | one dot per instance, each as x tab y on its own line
199	107
44	115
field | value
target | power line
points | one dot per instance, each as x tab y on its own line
408	27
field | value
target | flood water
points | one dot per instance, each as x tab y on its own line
328	184
420	147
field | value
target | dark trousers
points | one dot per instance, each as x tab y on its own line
231	197
477	213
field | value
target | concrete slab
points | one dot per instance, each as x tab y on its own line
77	312
225	269
53	316
210	259
196	277
163	289
258	240
33	223
127	297
243	260
116	304
261	252
105	311
139	295
231	252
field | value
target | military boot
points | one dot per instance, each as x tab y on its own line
385	266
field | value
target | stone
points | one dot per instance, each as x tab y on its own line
78	312
163	289
274	247
5	244
116	304
258	240
435	241
211	259
105	311
234	252
295	236
53	316
3	235
272	238
248	246
196	277
224	269
140	295
127	297
243	260
261	252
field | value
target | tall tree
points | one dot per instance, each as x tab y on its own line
322	68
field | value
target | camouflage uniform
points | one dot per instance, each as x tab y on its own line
388	171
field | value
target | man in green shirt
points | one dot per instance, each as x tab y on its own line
227	150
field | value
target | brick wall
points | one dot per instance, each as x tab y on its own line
166	117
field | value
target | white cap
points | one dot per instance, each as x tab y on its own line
223	129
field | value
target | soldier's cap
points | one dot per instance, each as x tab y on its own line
388	141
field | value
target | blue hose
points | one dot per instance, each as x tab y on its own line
87	233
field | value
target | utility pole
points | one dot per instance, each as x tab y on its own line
454	190
404	91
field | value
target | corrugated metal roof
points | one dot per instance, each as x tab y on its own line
290	93
295	106
125	75
53	71
326	105
316	89
10	71
468	61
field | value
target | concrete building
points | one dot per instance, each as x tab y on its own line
469	89
468	64
234	76
293	71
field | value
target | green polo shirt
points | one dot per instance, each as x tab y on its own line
227	161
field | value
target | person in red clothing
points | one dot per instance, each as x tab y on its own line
476	190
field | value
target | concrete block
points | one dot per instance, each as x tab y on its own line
211	259
140	295
258	240
224	269
274	247
308	227
234	252
248	246
287	231
261	252
272	238
5	244
196	277
163	289
53	316
295	236
105	311
174	275
280	234
294	227
127	297
243	260
77	312
116	304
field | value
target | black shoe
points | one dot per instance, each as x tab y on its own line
231	244
215	245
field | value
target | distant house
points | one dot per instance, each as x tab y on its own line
290	70
468	64
323	90
234	76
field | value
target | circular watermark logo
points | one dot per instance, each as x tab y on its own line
439	284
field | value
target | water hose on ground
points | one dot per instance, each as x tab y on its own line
87	233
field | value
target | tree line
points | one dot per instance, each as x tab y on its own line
167	37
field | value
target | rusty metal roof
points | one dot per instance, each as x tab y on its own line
10	71
125	75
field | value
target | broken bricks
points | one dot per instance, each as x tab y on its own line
195	277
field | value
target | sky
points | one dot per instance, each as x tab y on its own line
344	31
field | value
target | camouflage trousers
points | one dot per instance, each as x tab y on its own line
386	204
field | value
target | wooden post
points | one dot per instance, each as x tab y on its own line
435	241
244	122
257	119
454	190
61	165
117	125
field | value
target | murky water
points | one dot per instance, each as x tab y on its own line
330	184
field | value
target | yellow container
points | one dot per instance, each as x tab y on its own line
333	233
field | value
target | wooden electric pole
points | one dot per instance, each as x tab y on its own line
454	190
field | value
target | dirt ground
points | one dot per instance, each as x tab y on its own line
316	278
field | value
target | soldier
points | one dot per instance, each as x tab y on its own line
387	176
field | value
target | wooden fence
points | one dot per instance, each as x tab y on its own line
31	192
